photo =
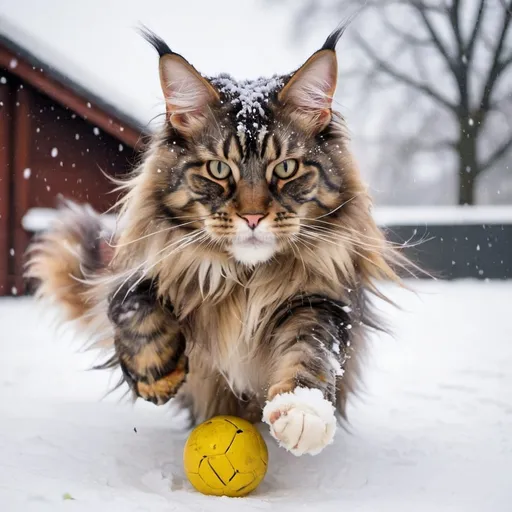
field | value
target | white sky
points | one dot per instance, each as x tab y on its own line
96	43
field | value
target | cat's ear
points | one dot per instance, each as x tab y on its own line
187	94
310	90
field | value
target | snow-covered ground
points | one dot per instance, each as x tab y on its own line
432	432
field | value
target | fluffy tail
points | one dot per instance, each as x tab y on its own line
62	259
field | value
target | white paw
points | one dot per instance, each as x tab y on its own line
302	421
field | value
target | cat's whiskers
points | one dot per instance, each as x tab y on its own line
351	248
293	246
337	229
170	228
338	207
184	242
132	272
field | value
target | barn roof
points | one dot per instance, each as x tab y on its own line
49	79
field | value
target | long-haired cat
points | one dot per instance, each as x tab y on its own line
246	251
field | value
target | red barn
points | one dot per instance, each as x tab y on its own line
56	137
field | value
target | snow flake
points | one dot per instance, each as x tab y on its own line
54	152
11	251
77	136
3	80
14	290
471	122
13	64
26	173
121	147
96	130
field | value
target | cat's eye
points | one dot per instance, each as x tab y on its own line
219	170
286	169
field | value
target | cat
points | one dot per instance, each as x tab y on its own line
240	277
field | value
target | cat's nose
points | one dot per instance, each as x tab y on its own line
252	219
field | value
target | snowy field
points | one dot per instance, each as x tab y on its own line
432	432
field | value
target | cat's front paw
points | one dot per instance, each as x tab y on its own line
302	421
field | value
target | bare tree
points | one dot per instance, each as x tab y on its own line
455	56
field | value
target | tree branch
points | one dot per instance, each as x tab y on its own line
498	65
470	47
403	78
408	38
500	152
436	40
453	15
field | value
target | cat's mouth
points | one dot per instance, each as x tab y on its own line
253	248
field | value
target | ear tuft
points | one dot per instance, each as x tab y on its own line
158	43
334	37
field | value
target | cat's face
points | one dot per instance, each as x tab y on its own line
253	162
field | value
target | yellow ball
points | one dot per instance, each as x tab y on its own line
225	456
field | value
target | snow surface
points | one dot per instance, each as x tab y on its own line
432	431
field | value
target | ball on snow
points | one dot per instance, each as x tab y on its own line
225	456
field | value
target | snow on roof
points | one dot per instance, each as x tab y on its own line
442	215
97	47
9	37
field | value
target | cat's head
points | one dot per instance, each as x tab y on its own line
253	165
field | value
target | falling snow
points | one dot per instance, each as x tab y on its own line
3	80
96	130
26	173
13	64
54	152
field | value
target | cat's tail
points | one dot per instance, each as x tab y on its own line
64	260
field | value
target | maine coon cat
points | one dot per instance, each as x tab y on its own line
239	276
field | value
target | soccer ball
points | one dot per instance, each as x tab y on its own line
225	456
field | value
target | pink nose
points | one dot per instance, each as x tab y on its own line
252	219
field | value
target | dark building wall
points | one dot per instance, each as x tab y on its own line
65	155
455	251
